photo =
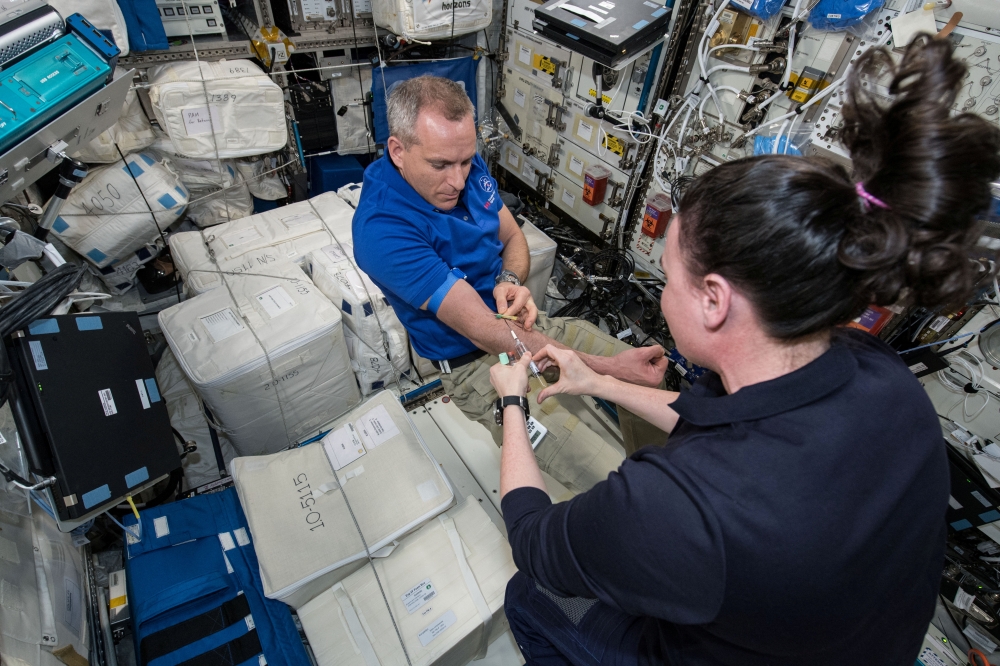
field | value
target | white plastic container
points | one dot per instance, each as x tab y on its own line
367	314
445	584
106	217
432	20
228	108
351	193
289	232
264	402
304	531
543	257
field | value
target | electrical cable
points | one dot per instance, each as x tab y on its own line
973	387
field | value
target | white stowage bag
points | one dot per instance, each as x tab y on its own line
228	108
542	250
290	232
188	418
43	607
367	314
103	14
131	132
445	585
432	20
354	136
106	216
351	193
218	191
264	402
304	531
262	180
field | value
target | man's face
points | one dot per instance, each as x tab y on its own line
437	165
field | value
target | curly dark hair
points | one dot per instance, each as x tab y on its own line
792	234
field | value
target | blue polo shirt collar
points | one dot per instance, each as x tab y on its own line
707	404
411	196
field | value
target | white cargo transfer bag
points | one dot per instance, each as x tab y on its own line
303	530
218	191
188	418
445	585
131	132
106	216
432	20
102	14
291	232
542	251
228	108
367	314
264	402
262	178
351	193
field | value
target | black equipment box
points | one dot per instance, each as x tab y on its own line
88	409
609	31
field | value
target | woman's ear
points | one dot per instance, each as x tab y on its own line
716	296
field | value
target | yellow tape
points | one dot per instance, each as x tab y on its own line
134	510
116	602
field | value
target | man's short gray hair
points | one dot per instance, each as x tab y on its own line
408	98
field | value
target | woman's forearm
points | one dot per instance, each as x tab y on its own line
518	468
649	404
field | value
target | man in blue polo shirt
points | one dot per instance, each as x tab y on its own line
431	231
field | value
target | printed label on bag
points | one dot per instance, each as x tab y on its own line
939	324
275	301
335	253
376	427
241	237
222	324
438	628
202	120
536	431
343	447
107	402
418	595
301	218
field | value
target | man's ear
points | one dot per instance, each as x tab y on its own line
396	150
716	299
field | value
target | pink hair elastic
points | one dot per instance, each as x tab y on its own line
869	200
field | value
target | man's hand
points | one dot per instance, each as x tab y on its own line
575	377
642	365
515	300
511	379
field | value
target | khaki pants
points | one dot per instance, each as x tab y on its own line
571	452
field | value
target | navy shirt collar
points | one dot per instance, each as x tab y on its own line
706	404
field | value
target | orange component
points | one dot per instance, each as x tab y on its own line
654	220
595	184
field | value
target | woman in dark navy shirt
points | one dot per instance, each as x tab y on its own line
796	515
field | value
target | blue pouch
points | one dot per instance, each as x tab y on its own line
195	591
840	14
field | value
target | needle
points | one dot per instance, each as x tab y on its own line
521	351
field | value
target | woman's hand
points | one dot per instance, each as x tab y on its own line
511	379
575	377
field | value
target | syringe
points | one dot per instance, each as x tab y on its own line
521	351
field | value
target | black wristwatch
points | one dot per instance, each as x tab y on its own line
507	276
507	401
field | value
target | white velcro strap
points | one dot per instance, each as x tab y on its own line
471	583
354	625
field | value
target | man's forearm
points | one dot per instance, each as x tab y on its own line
516	258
